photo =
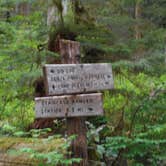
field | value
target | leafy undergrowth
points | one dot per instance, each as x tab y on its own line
36	151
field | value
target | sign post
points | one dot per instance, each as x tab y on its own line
70	52
74	85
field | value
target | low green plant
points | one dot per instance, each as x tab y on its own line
50	151
51	156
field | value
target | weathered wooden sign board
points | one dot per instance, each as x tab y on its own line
69	106
77	78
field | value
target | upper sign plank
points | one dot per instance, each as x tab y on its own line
77	78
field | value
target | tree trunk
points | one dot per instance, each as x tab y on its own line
137	18
51	15
70	53
54	13
22	8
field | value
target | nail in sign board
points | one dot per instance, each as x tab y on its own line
69	106
77	78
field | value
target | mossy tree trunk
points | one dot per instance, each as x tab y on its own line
138	11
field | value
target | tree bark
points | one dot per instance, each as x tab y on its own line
70	52
22	8
137	18
56	14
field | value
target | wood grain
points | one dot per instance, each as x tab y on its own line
77	78
69	106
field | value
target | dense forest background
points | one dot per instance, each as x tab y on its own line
129	34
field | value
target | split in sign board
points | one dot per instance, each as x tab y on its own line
69	106
77	78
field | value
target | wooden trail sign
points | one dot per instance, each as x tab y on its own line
69	106
77	78
74	78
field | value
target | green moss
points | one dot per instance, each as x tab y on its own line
10	147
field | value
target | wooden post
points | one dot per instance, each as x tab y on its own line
70	52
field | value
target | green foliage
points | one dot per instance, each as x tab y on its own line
136	148
139	133
7	129
51	157
20	59
35	133
133	127
48	151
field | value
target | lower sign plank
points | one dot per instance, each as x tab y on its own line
69	106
